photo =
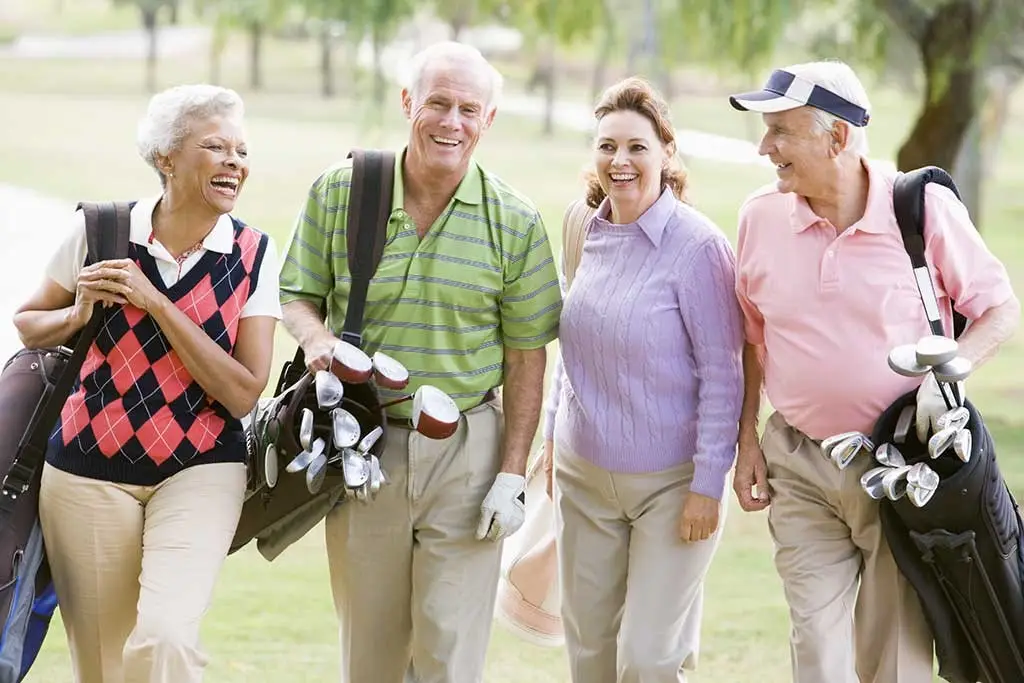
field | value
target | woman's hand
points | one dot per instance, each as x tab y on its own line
699	518
94	286
121	281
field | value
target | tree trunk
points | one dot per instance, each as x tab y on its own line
604	52
948	50
967	171
149	23
326	63
256	54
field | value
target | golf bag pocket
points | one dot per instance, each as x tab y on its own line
32	601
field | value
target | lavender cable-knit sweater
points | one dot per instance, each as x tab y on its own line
650	373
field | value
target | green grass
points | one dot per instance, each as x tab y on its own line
67	129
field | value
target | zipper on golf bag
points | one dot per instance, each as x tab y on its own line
959	570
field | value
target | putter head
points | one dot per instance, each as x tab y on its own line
889	455
935	350
940	442
871	482
894	483
904	422
903	361
963	443
329	390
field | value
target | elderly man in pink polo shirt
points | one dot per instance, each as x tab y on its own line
827	290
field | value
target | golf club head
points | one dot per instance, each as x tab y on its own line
871	482
963	443
903	361
829	443
363	494
919	496
376	475
923	477
955	370
306	429
371	438
894	483
355	468
890	456
299	462
845	451
935	350
329	390
956	418
315	474
344	428
940	442
903	423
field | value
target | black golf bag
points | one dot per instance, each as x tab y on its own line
962	552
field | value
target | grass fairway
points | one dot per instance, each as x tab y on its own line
67	129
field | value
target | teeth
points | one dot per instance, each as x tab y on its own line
444	141
623	176
226	179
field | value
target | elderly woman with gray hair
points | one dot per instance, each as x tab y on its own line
145	476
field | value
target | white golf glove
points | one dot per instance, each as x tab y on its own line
931	405
503	510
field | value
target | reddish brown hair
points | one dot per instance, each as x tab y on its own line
636	94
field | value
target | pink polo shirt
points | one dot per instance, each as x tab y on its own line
828	307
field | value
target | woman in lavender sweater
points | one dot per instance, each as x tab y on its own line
644	409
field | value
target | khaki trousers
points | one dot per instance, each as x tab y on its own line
413	589
632	592
135	566
854	617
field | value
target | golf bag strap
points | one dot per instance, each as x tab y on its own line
369	207
574	234
908	197
107	229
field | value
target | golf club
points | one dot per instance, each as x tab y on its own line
903	423
329	390
903	360
935	350
890	456
952	373
846	450
306	428
316	473
956	418
344	428
963	442
871	482
894	483
940	442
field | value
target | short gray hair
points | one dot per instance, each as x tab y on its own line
166	122
839	78
450	52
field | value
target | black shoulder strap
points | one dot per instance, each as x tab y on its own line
369	206
107	231
908	196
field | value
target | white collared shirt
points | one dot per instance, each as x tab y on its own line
67	262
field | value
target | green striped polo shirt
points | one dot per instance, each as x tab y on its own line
482	279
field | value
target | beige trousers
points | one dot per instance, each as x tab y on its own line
632	592
135	566
413	589
854	617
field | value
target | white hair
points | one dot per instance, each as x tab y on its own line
459	55
166	123
839	78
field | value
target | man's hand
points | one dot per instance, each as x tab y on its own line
504	508
751	471
549	465
931	405
699	518
320	352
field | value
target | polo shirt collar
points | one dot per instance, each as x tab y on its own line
878	214
651	222
470	190
221	239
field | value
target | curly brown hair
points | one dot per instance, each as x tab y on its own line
636	94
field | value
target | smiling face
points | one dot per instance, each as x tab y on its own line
449	112
628	159
210	165
802	152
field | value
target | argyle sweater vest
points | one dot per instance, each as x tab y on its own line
136	415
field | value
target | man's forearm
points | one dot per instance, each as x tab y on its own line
986	334
753	379
522	396
303	322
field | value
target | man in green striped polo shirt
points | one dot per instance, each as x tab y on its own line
466	296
